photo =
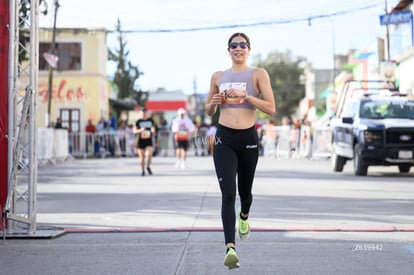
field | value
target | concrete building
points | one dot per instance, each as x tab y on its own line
80	88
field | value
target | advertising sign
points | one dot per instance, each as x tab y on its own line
396	18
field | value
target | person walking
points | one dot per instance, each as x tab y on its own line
145	128
182	128
238	91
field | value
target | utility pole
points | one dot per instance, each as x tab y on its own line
333	53
50	83
388	57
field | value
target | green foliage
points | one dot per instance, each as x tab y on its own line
284	73
24	33
126	74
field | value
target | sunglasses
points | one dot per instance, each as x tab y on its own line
234	45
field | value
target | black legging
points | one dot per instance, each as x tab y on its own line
235	153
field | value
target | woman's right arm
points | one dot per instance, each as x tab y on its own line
212	99
137	130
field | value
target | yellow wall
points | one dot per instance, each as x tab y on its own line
94	48
87	89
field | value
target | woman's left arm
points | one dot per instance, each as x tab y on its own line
265	103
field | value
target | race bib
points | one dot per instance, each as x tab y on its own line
146	134
233	85
182	135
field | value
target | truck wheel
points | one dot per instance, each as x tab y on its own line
360	169
337	162
404	168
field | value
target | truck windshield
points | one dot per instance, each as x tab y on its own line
389	109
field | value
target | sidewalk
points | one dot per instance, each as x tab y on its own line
116	222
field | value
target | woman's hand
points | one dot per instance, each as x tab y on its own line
235	93
217	98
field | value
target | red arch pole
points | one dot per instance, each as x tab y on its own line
4	94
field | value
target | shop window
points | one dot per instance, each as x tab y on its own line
69	56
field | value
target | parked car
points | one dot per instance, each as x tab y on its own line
374	129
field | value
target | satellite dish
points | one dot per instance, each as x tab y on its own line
51	59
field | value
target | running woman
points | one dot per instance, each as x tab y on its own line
239	91
145	128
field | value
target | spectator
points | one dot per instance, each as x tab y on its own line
112	120
163	135
201	143
269	140
90	130
58	124
122	138
109	139
101	125
130	140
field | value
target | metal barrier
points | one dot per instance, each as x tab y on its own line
52	145
280	142
322	141
283	142
45	137
118	143
201	142
101	144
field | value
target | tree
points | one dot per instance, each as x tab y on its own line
24	34
284	73
126	74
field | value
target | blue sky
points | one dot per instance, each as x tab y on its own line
175	60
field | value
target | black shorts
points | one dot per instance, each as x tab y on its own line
182	144
143	143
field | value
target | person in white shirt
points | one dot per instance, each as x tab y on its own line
182	128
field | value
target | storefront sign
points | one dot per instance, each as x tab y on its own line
63	93
396	18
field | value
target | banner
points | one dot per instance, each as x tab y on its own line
4	99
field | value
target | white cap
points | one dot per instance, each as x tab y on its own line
181	111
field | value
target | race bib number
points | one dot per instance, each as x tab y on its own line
182	135
146	134
232	85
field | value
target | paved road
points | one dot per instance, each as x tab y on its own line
305	220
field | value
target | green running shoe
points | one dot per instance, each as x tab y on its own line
244	227
231	260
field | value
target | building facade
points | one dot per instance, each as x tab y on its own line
80	87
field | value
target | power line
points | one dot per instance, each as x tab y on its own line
263	23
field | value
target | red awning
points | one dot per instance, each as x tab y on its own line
167	105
